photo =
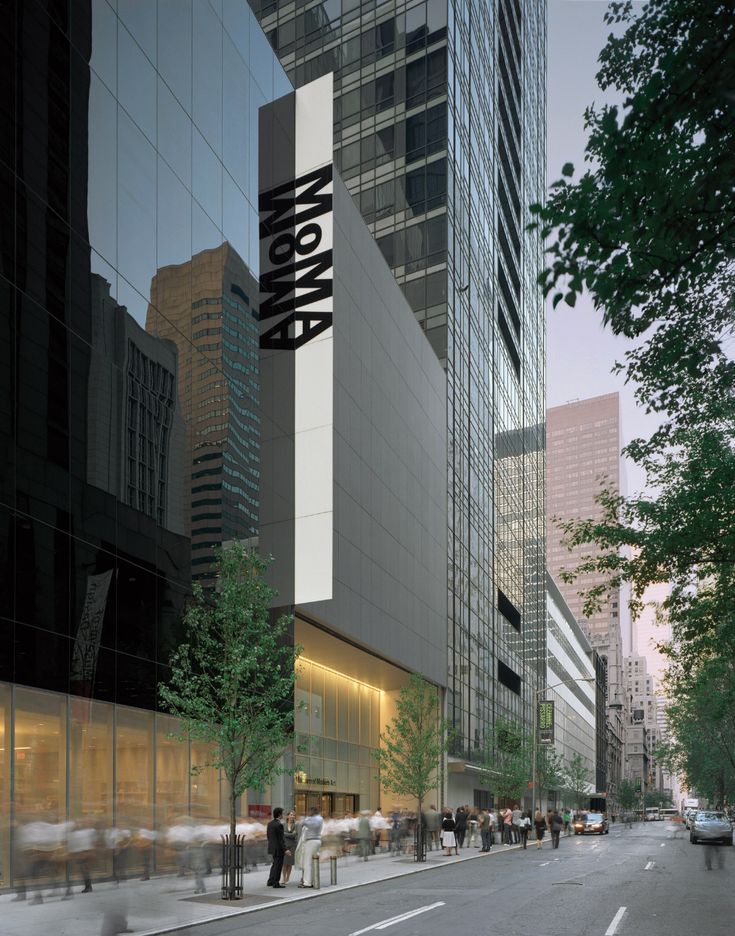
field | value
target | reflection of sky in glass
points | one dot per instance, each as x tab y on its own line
173	163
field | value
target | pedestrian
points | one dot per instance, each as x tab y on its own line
712	851
508	826
557	824
473	824
493	822
433	823
516	823
290	840
540	825
313	824
483	824
567	817
276	847
524	826
449	841
363	834
460	826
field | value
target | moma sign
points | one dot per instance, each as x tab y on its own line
296	229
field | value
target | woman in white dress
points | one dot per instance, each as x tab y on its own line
449	841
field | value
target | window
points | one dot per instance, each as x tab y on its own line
508	678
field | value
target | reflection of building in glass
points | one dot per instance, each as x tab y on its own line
440	142
207	307
136	433
110	172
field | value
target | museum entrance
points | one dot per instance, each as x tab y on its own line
330	804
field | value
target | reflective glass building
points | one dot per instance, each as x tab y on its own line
128	359
131	437
439	130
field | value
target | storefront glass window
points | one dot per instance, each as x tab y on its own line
4	785
40	756
133	787
90	773
206	804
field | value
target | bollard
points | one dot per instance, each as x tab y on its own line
315	882
332	869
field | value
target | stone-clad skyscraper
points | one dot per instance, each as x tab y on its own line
439	118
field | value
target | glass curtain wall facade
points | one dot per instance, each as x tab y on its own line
128	229
439	134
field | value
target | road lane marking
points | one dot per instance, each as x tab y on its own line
649	866
612	928
384	924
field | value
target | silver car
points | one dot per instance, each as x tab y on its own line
710	826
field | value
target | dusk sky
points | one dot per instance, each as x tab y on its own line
580	353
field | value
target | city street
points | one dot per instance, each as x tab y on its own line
578	890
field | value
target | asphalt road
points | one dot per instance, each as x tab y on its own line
645	881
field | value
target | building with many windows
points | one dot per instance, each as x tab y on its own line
130	249
439	136
570	676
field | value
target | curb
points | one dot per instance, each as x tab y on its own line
297	898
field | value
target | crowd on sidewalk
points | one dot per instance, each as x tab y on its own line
53	856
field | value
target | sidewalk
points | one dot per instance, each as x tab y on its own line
168	903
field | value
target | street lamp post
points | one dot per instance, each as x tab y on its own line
534	742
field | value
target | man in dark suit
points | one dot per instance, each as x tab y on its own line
276	847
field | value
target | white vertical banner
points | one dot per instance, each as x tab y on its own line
296	311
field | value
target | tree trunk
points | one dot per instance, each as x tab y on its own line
420	833
232	851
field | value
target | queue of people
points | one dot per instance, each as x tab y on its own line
50	855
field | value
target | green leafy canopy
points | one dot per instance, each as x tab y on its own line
232	682
414	742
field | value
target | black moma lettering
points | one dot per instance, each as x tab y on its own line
283	337
282	202
280	284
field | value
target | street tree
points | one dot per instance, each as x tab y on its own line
505	760
412	746
550	774
627	796
648	230
577	777
232	682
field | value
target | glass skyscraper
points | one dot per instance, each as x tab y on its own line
439	132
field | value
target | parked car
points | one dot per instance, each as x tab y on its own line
710	826
592	822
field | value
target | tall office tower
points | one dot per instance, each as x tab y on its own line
207	304
583	449
439	118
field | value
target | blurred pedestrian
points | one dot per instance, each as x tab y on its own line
449	841
460	825
539	824
276	847
363	834
290	840
508	826
312	842
483	824
524	825
472	824
516	823
433	823
713	851
556	825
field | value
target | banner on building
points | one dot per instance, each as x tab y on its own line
545	721
296	192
